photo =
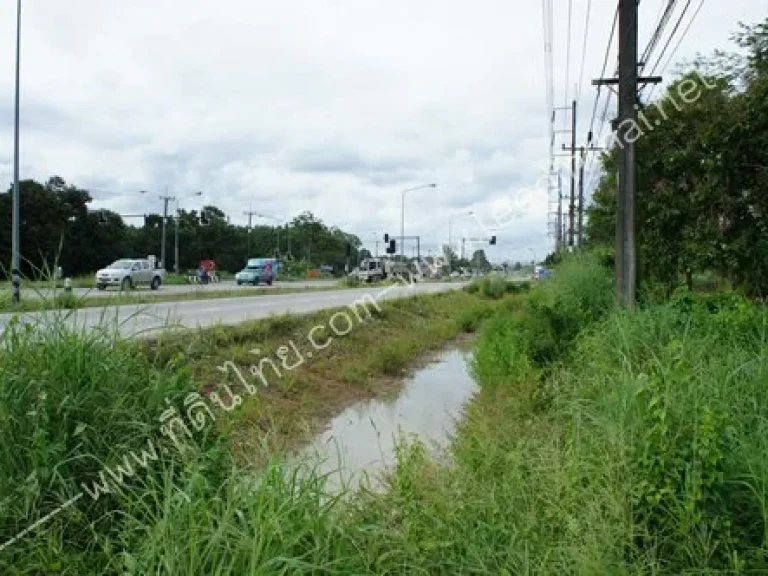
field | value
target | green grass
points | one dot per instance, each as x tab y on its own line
72	403
70	301
602	442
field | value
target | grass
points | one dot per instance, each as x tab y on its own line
367	362
635	445
602	442
64	300
78	410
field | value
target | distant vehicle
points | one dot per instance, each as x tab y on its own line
373	269
129	273
539	272
466	275
258	270
205	273
456	274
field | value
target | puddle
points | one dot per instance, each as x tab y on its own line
360	443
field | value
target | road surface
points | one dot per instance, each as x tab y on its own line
177	289
144	319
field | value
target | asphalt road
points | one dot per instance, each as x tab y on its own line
179	289
144	319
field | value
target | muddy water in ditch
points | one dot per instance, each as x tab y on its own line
360	443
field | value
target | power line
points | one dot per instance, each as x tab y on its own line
584	49
672	35
658	32
602	73
568	59
679	42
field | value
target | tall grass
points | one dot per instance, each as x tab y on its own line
70	404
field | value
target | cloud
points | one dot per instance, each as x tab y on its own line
333	106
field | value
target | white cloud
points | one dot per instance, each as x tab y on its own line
332	106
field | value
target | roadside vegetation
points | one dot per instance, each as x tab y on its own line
602	441
69	301
80	414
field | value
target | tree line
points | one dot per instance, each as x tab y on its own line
58	228
702	165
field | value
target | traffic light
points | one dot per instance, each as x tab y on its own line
493	240
204	218
392	248
386	238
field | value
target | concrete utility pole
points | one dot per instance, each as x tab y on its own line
165	200
626	243
582	161
580	198
250	214
626	249
176	222
16	201
572	205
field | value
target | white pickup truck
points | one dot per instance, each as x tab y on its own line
129	273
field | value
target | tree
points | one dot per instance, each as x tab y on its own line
702	174
480	261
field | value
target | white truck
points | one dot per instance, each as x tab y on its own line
377	269
129	273
373	270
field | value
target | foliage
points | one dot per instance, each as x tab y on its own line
702	174
59	229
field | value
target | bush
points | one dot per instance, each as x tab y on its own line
71	405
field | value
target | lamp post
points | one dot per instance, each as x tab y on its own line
176	232
402	215
165	200
15	235
450	235
277	226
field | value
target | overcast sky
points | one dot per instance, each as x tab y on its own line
333	106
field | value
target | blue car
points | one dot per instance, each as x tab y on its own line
258	270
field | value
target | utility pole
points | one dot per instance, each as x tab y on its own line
580	240
165	200
580	197
572	205
626	242
16	201
560	209
250	213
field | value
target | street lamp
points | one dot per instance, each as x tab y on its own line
450	235
402	215
277	227
176	231
15	236
165	200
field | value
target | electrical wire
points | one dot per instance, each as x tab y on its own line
568	59
677	46
658	31
672	35
602	73
584	50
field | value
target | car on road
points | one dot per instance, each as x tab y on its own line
258	270
129	273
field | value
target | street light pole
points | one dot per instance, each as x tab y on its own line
450	236
176	233
402	216
15	235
